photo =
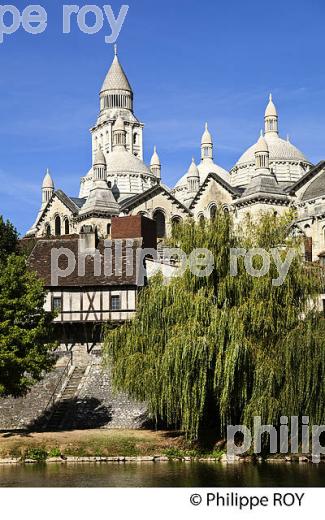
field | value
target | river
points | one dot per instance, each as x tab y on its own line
163	474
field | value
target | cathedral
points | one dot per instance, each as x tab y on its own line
271	175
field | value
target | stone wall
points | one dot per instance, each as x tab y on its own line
99	407
22	412
96	405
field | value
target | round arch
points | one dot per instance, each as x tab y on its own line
160	219
57	225
66	227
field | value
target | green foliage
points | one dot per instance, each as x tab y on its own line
54	452
8	239
38	454
25	328
178	453
210	351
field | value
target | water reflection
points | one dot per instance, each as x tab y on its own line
161	474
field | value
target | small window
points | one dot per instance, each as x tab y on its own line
57	226
115	303
213	212
66	227
108	229
57	304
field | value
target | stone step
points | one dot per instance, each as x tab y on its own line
63	405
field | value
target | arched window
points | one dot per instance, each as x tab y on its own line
108	229
213	212
66	227
176	220
48	230
201	220
159	217
135	138
308	244
57	226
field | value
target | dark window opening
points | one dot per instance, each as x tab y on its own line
159	217
213	212
66	227
115	303
57	226
57	304
308	249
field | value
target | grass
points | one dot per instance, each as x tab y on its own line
109	443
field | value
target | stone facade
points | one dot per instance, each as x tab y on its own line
272	179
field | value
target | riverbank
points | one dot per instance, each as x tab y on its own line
117	446
80	444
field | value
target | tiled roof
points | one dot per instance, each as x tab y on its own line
40	261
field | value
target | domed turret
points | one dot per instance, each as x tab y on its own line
100	157
206	145
119	134
271	117
155	165
100	166
262	155
193	178
47	188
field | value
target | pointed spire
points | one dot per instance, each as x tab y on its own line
116	78
115	49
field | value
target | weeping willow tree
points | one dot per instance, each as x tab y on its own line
221	349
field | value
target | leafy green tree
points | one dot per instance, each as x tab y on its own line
25	328
8	239
210	351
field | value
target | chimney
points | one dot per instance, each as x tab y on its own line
87	240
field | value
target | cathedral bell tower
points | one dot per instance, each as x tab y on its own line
116	100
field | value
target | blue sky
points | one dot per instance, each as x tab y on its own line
187	61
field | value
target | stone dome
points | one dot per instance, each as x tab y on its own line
205	167
279	149
121	161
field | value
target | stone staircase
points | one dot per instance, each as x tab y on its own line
65	402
